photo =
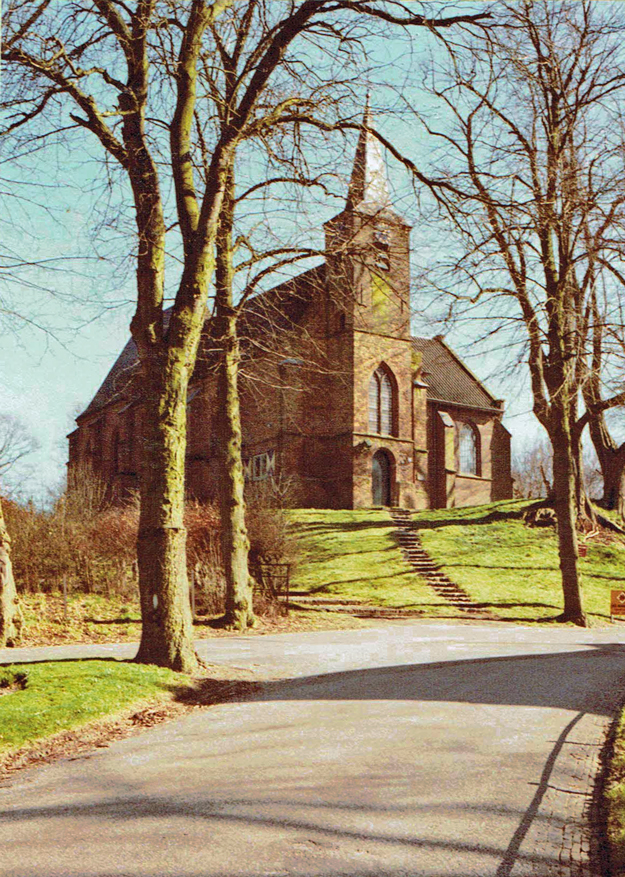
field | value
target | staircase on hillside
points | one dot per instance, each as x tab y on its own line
414	552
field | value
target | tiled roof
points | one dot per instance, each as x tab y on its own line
276	309
447	377
117	380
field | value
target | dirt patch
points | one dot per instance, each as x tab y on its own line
12	680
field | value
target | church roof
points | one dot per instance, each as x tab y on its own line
448	378
117	381
275	310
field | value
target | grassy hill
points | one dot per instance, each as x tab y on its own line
353	555
510	568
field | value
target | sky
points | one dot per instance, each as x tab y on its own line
82	295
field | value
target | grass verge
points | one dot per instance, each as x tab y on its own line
614	802
99	619
56	696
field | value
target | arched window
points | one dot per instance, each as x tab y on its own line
130	439
468	449
381	402
117	453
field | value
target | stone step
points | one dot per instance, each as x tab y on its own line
409	542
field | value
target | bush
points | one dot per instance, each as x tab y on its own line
204	557
91	545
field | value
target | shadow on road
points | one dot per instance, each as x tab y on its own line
296	807
520	680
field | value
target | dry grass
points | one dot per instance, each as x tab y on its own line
99	619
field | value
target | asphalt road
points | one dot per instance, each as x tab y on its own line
412	749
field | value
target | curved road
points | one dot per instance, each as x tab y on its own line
414	748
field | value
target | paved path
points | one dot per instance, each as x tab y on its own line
412	749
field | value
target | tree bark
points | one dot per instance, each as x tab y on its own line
564	483
613	472
583	506
167	626
235	544
612	462
11	619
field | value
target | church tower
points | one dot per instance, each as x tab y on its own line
368	330
367	246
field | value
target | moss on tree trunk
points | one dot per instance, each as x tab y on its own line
10	613
565	504
167	626
239	612
612	462
235	544
614	484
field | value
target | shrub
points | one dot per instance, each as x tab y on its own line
204	557
91	545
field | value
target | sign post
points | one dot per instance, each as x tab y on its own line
617	603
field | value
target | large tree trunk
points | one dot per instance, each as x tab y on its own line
167	626
235	544
564	483
613	472
10	613
612	462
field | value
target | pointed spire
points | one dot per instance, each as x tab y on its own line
368	184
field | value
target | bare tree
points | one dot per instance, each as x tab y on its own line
126	73
16	442
532	470
535	192
602	391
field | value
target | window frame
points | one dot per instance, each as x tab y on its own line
466	430
382	411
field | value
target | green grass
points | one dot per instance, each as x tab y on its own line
353	555
614	794
514	569
510	568
60	695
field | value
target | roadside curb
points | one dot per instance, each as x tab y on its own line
566	822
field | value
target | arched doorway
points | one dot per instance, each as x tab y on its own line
381	470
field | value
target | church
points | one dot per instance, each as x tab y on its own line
341	406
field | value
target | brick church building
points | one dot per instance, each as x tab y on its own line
341	406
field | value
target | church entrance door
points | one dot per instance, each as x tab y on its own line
381	479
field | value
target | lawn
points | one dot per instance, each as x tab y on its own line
353	555
512	568
614	801
38	700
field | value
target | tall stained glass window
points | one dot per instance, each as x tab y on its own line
381	403
468	449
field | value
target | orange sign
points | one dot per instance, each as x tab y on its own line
617	602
